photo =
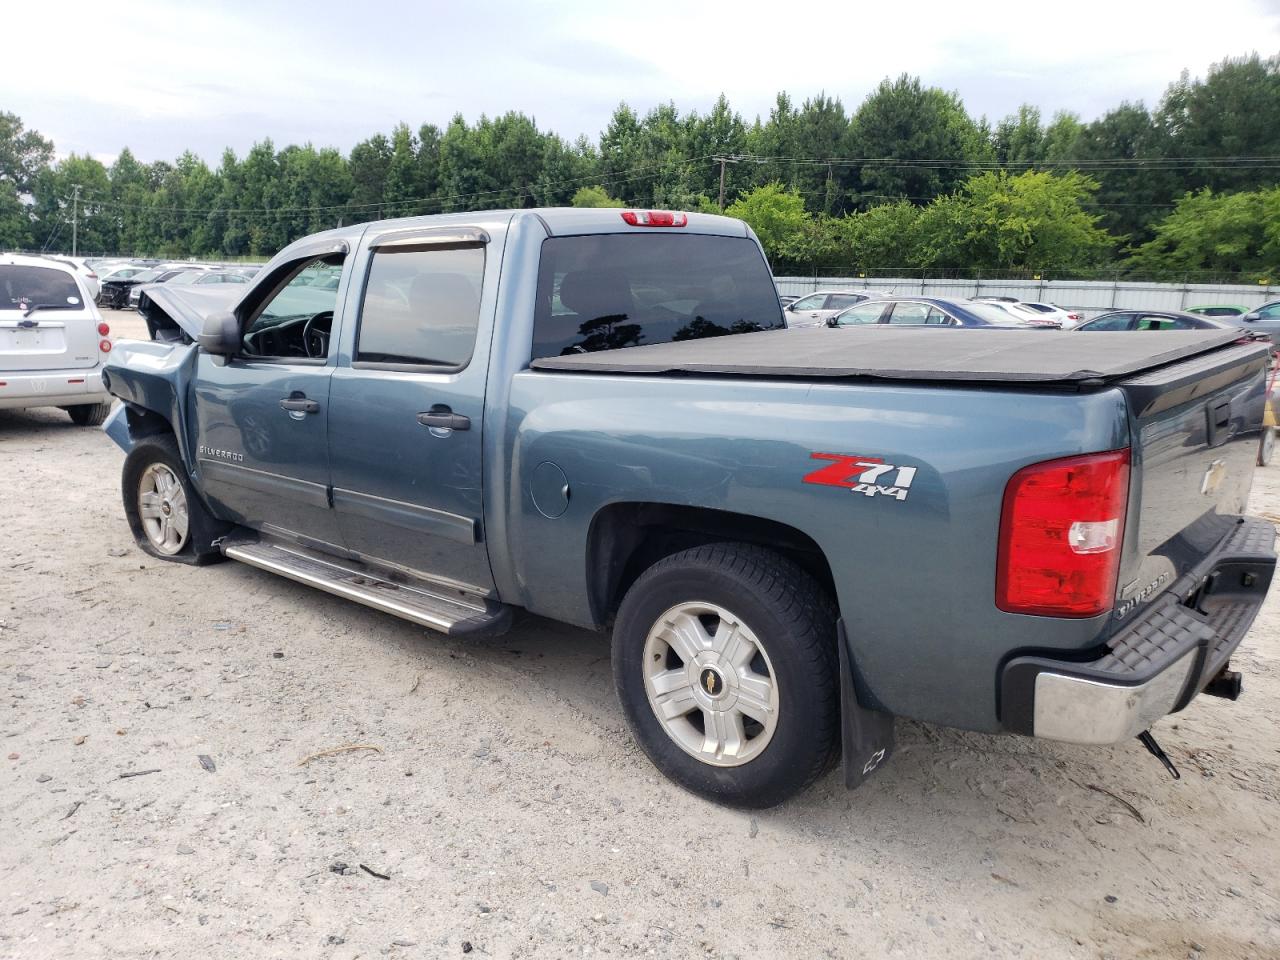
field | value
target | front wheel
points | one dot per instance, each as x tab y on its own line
166	515
1266	446
725	661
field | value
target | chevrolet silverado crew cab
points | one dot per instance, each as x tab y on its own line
795	536
53	342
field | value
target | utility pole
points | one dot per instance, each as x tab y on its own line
722	161
75	213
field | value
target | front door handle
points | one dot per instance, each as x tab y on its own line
443	417
297	402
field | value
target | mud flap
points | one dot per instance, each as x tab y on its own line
866	735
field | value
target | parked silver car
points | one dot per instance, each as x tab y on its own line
53	341
814	309
1264	319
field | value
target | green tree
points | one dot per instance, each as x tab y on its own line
918	141
776	214
1035	220
594	197
1220	234
1234	112
1131	195
1019	139
51	201
368	165
24	155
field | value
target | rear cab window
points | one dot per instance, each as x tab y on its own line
25	287
601	292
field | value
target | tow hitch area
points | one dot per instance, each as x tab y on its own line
1148	741
1227	684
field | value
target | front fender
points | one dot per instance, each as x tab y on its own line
153	380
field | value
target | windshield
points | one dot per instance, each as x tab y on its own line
145	276
24	287
181	279
622	290
995	315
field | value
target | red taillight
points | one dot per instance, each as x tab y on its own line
1073	316
92	275
654	218
103	329
105	346
1060	534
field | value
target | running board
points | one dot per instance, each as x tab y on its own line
451	612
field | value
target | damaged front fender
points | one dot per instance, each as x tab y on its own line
153	380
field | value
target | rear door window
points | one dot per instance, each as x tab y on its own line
839	301
1164	323
623	290
915	314
1117	321
813	301
869	312
22	288
421	306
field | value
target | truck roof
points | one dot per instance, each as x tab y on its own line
558	221
907	353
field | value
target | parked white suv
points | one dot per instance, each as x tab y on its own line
53	341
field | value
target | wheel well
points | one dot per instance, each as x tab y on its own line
145	423
628	538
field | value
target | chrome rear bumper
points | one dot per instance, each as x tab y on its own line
1154	666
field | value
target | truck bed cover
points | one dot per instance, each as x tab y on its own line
907	353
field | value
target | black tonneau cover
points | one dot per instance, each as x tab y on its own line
907	353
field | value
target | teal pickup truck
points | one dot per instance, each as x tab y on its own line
795	536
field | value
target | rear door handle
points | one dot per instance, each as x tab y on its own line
297	402
443	417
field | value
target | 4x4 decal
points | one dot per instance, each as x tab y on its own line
870	476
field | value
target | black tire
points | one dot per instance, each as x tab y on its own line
794	621
203	528
88	414
1266	445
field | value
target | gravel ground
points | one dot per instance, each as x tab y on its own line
501	807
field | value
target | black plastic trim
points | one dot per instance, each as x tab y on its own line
1234	578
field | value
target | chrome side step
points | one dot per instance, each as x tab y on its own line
449	611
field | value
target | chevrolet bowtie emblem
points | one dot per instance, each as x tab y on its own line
1213	477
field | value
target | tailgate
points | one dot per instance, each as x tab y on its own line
1196	427
47	340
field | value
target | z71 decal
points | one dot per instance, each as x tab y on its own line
870	476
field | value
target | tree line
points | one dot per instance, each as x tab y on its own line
907	179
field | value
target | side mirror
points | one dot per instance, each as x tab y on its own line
833	321
1251	316
220	334
790	307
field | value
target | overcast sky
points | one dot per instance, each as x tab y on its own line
161	77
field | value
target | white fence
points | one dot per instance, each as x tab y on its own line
1090	296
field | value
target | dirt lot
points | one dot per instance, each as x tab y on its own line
506	807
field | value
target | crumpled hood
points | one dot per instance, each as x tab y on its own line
184	307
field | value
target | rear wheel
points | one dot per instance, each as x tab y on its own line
166	515
1266	446
89	414
725	662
